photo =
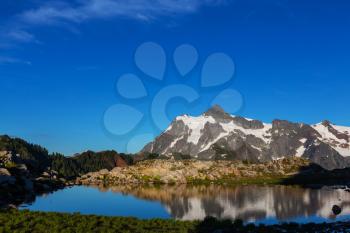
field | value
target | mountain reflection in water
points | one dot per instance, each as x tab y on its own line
249	203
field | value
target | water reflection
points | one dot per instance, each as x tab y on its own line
249	203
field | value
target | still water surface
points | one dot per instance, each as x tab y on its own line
259	204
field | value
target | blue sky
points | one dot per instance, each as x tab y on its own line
60	61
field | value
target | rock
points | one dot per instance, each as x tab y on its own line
336	210
11	207
116	169
103	172
46	174
3	153
62	180
40	179
5	177
22	169
4	172
53	172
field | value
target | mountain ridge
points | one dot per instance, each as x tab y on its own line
218	135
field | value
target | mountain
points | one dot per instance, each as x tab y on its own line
218	135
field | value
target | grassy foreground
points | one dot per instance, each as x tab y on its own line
27	221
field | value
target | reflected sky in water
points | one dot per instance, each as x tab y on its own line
260	204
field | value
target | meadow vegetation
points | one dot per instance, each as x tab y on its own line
43	222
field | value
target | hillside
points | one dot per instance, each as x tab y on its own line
27	169
37	159
89	161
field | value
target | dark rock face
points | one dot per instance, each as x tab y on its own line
247	124
218	135
218	113
325	155
336	210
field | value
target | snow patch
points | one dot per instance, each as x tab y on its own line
342	129
328	137
173	143
196	125
257	148
326	134
259	133
300	151
303	140
232	127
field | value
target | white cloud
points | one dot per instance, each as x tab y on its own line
61	12
21	36
104	9
11	60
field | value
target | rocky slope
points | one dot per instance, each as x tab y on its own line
196	171
218	135
19	183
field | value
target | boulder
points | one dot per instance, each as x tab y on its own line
5	157
336	210
4	172
5	177
3	153
103	172
46	174
22	169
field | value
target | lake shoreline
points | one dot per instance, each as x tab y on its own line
267	204
294	171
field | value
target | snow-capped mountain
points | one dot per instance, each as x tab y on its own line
218	135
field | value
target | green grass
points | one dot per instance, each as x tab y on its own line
9	165
26	221
13	221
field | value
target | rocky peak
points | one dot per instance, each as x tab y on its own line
326	123
214	110
217	113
